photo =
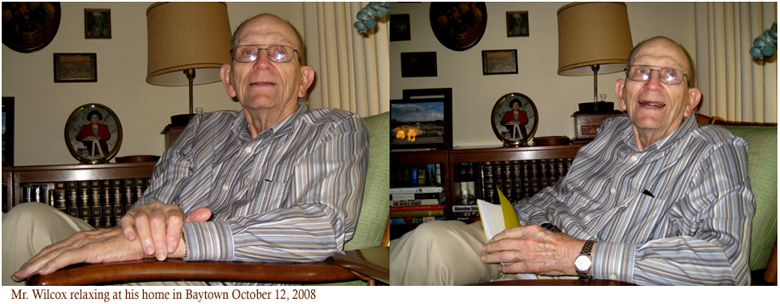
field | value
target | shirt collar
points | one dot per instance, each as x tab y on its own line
241	126
689	124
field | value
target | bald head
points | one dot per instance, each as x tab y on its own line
683	55
293	32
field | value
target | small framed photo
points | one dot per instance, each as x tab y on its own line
422	64
499	62
421	120
97	23
514	119
399	28
75	67
93	133
517	24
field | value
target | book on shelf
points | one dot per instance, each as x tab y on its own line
421	189
419	202
409	208
441	196
415	175
417	213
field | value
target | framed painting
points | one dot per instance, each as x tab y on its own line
75	67
499	62
514	119
399	28
422	64
421	120
93	133
97	23
458	25
517	24
30	26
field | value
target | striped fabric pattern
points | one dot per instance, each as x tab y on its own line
291	194
677	213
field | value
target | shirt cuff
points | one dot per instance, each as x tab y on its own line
208	241
613	261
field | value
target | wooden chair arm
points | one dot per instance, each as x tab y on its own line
177	269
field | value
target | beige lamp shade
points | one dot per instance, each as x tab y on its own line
187	35
593	33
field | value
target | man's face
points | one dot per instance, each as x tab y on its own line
264	84
654	107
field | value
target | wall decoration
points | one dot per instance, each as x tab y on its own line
97	23
422	64
30	26
399	28
8	131
517	24
75	67
458	25
93	133
499	62
423	119
514	119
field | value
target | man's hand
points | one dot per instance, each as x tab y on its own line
96	246
158	226
533	249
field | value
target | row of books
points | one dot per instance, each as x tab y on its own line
101	203
518	179
416	175
415	205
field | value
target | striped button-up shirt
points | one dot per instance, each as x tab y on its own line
292	193
677	213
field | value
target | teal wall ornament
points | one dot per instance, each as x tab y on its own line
366	16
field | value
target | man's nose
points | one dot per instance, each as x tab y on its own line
262	61
654	80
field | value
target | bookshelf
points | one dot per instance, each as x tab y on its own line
16	178
543	165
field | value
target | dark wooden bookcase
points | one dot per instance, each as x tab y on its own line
452	157
15	176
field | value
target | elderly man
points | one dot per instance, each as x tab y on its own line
273	182
653	200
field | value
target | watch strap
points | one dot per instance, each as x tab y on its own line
586	249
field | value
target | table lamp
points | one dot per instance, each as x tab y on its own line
593	37
186	40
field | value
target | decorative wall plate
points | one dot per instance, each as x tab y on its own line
458	25
30	26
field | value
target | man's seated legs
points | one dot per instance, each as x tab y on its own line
30	227
441	253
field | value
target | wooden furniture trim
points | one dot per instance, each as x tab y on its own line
177	269
64	173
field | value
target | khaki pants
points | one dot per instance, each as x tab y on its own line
30	227
441	253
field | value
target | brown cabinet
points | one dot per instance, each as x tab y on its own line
586	124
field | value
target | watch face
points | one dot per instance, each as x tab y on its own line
582	263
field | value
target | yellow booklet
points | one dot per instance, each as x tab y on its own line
497	218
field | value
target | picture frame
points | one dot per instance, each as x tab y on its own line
517	24
421	120
400	28
30	26
499	62
8	131
458	25
90	141
75	67
97	23
419	64
514	129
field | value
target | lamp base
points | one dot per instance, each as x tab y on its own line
601	106
181	119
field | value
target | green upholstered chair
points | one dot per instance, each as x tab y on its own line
371	231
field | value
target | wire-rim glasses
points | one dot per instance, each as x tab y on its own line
667	75
276	53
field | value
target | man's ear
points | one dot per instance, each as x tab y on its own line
694	97
307	73
619	85
224	73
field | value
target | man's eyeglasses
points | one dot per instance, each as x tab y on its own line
275	53
666	75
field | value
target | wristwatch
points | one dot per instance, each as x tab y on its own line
583	262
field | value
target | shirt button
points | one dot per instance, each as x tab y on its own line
612	190
634	158
587	218
248	150
613	277
225	187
